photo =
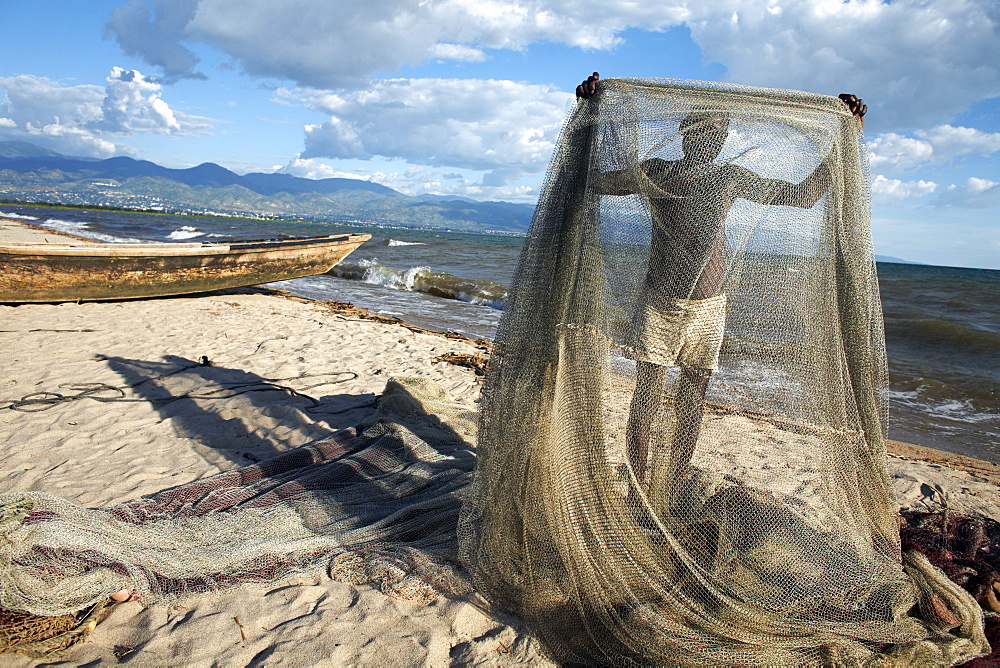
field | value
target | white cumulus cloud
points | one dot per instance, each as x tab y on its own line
41	101
417	180
974	193
133	103
941	144
917	61
898	152
59	116
503	127
309	168
887	191
153	30
457	52
91	120
341	43
952	142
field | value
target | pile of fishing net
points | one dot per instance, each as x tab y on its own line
681	450
374	504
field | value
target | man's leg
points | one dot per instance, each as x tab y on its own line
646	402
689	406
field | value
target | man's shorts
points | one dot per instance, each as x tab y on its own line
669	331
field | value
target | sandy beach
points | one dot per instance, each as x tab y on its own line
314	370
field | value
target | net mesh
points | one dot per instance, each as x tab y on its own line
681	446
377	504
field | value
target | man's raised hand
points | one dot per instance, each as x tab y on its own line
856	105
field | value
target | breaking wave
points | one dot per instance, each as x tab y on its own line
425	280
82	229
185	232
17	216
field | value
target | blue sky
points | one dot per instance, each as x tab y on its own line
467	97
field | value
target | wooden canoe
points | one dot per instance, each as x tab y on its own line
43	272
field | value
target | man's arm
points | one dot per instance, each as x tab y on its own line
807	192
621	182
632	181
776	192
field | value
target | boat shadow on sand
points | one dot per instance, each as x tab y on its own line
358	478
232	415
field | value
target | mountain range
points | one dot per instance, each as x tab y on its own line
30	173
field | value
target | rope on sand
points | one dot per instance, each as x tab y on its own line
41	637
105	393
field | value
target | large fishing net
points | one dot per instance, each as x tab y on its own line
375	504
681	444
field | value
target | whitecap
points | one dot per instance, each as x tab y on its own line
185	232
18	216
82	229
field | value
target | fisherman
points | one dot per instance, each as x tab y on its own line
680	315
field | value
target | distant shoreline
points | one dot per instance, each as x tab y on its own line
896	260
181	214
154	212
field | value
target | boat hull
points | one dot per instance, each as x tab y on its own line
95	272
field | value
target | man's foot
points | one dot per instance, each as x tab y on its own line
123	595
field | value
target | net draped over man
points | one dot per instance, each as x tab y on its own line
680	315
601	510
